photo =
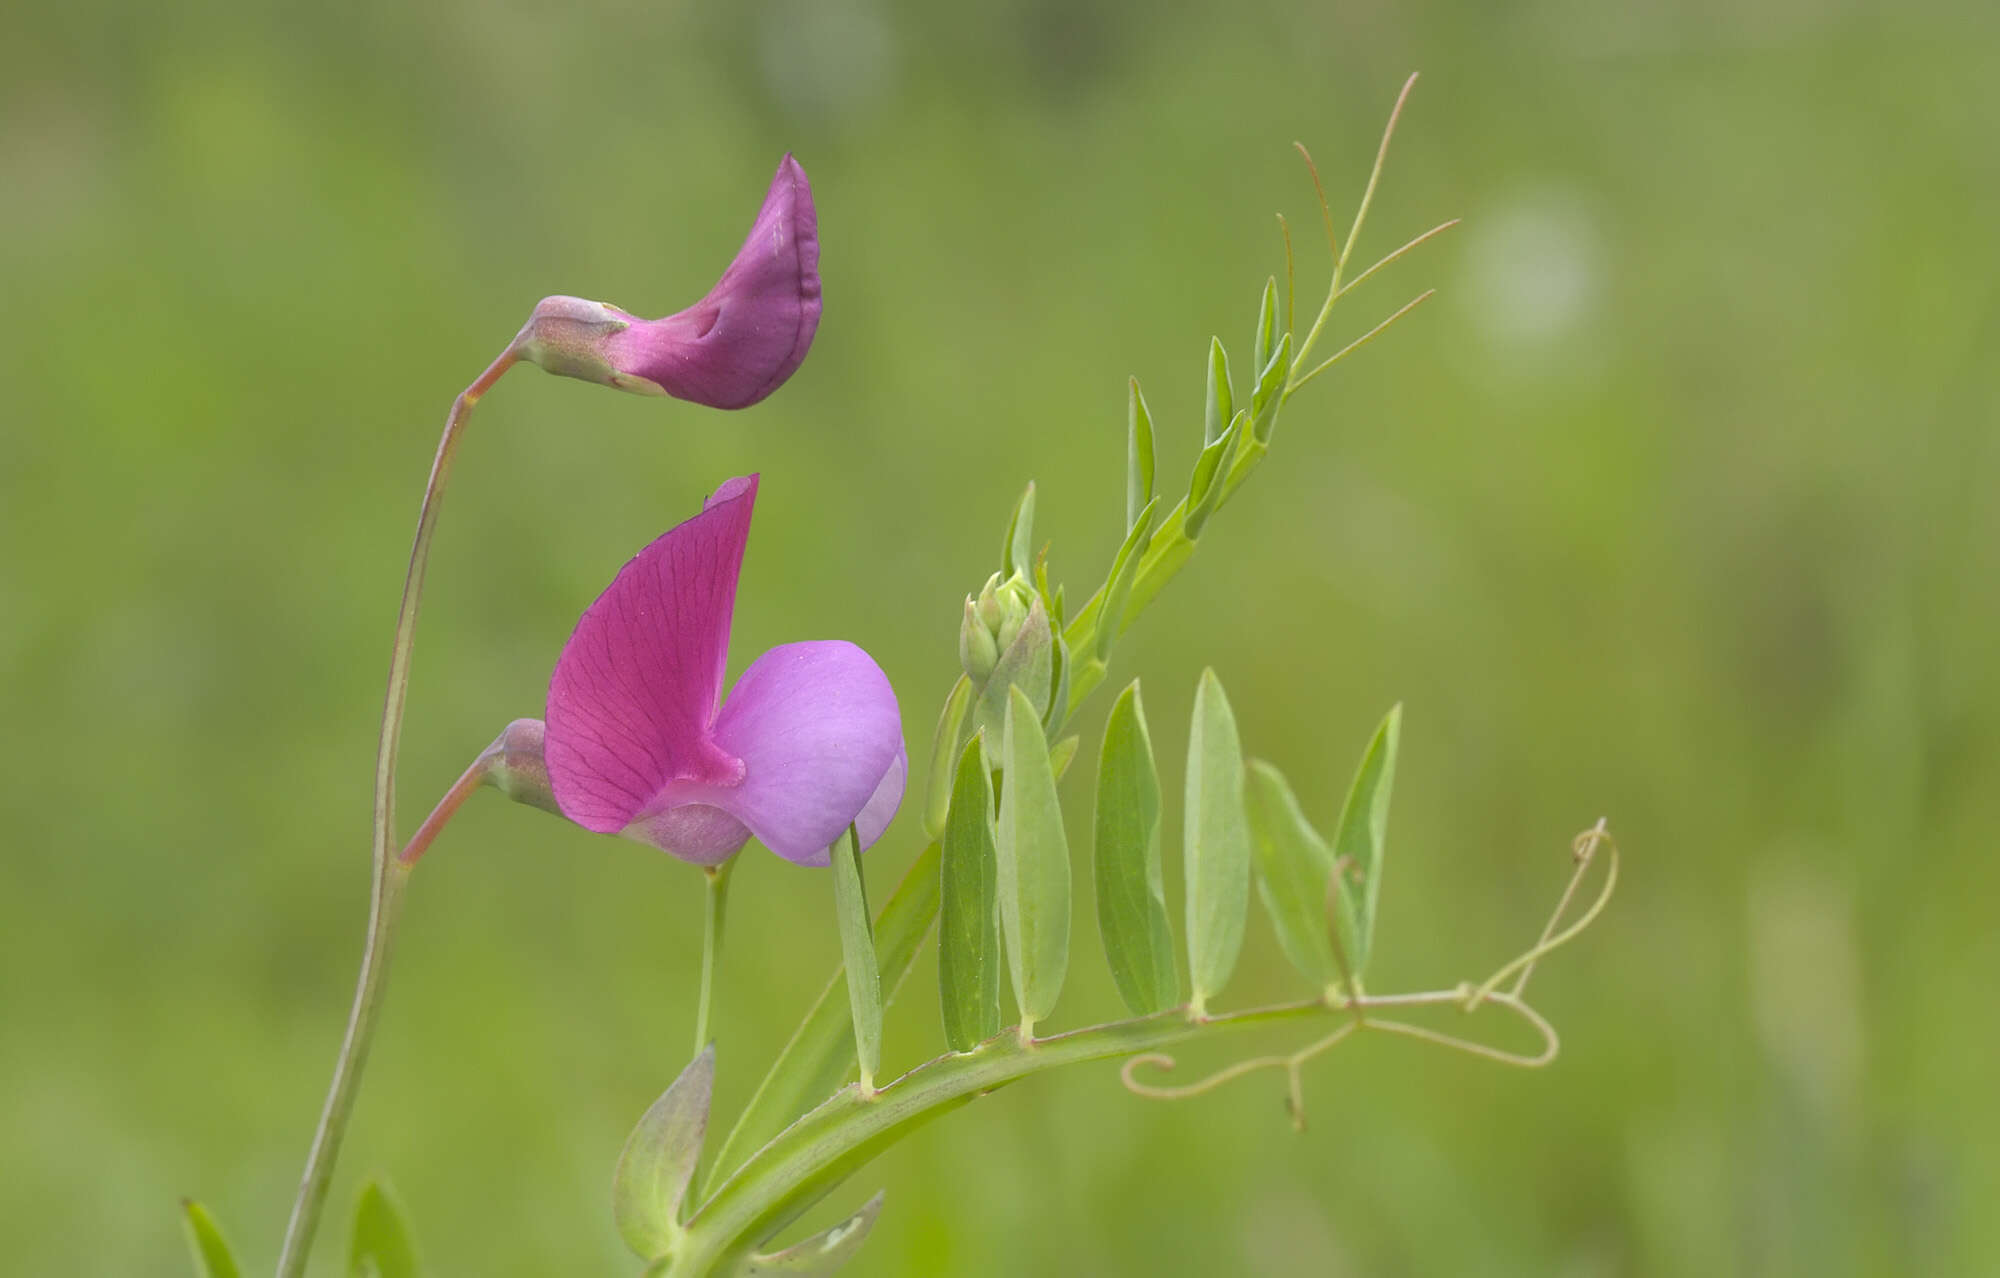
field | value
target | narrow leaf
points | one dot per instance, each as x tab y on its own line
1138	455
381	1245
1118	585
1217	843
1033	865
857	950
659	1160
1267	334
1293	868
825	1252
1364	828
1270	391
944	750
1062	753
1220	410
1017	551
1131	893
1210	470
969	911
820	1055
212	1258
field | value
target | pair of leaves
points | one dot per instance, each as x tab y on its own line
1302	880
380	1246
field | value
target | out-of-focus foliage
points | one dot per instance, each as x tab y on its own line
1676	505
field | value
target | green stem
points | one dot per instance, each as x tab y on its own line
716	901
390	874
826	1145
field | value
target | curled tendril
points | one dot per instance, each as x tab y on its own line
1466	997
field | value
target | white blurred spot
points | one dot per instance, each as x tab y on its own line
1536	268
828	57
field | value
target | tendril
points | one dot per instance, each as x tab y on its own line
1467	997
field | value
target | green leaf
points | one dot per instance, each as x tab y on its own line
857	950
1138	455
1210	469
944	749
1118	585
1219	409
1294	867
1267	335
1131	893
1271	392
659	1160
1364	829
381	1245
820	1055
1217	843
825	1252
1017	551
212	1258
1033	865
968	911
1061	753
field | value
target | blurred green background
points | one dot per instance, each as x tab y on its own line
1675	506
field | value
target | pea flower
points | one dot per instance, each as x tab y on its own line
640	741
730	349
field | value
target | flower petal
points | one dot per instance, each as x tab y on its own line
634	695
752	331
821	739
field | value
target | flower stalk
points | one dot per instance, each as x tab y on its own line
391	874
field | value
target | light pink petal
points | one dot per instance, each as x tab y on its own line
634	695
821	740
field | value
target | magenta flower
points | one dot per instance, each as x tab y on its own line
640	740
730	349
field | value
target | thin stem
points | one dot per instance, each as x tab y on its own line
812	1155
716	900
1362	340
447	807
390	874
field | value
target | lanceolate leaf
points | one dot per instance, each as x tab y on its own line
1271	391
1217	842
1033	860
212	1258
659	1160
1131	896
1267	334
968	911
1118	586
1364	827
1017	552
382	1246
1138	456
1219	410
1211	471
823	1253
857	951
820	1055
1293	868
944	754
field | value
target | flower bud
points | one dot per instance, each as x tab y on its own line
977	651
728	350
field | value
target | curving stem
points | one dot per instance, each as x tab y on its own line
391	875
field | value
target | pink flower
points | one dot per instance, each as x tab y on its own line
640	740
730	349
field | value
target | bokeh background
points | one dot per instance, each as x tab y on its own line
1675	506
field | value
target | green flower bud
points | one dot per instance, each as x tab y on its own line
978	652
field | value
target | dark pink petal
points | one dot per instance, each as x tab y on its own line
752	331
821	740
634	695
